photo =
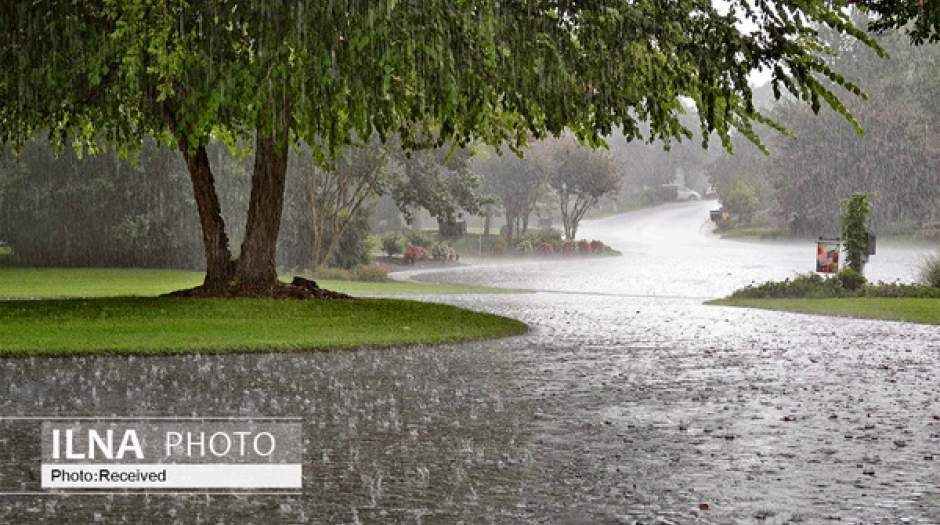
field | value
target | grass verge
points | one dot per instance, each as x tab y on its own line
753	232
37	283
170	325
915	310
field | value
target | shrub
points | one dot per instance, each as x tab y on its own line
546	248
804	285
851	279
598	247
930	271
494	245
440	251
419	238
742	202
584	247
372	273
900	290
569	248
538	237
393	244
526	246
414	253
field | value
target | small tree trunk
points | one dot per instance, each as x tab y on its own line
487	218
510	223
257	271
219	265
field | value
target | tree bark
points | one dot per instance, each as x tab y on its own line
257	270
219	265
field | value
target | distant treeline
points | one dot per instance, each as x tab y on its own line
61	210
800	184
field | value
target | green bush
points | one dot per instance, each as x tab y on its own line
809	285
393	244
742	202
914	291
851	279
420	238
372	273
930	271
539	237
494	245
813	286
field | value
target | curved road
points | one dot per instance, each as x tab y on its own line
629	402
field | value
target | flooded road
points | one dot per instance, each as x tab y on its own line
670	251
629	402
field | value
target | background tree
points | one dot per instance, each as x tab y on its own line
896	157
516	182
438	180
336	197
580	177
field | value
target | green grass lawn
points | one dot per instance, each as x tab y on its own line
74	311
33	283
915	310
169	325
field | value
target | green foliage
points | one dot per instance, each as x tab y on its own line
804	285
366	273
434	73
100	210
851	279
494	245
919	18
742	202
805	176
579	177
419	238
930	271
847	283
352	68
393	244
538	237
352	248
371	273
855	210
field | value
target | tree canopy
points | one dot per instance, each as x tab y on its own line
431	71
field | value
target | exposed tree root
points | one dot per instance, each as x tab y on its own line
299	288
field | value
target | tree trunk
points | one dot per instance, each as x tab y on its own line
486	221
219	265
510	223
257	271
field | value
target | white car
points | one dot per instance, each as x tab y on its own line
683	193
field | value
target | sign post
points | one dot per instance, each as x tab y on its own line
827	255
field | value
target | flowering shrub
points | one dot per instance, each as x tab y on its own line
415	253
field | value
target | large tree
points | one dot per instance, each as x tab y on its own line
279	71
